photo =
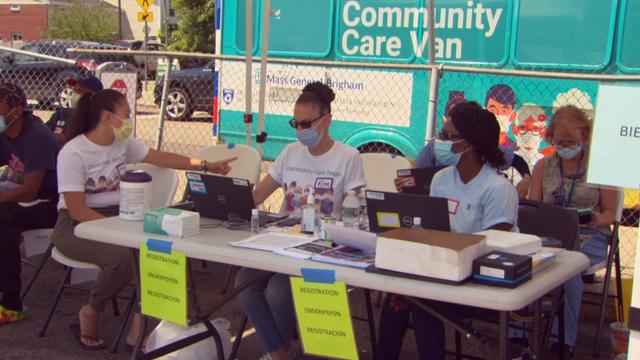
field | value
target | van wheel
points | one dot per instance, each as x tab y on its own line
378	147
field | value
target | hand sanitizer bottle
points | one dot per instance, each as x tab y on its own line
309	215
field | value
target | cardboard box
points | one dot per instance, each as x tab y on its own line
430	253
172	222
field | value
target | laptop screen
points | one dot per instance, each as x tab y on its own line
395	210
221	197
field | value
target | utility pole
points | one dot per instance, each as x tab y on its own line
120	19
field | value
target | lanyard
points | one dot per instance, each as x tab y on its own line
566	199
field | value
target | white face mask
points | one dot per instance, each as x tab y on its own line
73	100
504	121
125	130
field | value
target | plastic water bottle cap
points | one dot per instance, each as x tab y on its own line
254	212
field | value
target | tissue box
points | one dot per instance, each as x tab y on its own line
172	222
429	253
502	269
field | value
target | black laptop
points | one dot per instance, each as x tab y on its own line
418	181
389	211
225	198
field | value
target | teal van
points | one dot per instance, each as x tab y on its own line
386	109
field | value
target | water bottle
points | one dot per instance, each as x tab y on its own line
417	223
255	221
309	218
364	214
350	209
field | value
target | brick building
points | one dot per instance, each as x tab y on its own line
23	21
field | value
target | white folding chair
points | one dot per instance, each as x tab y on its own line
380	170
163	185
246	167
163	188
35	242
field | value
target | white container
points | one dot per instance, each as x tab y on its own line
351	209
166	333
135	195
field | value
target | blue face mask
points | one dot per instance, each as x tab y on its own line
3	122
309	137
444	154
568	153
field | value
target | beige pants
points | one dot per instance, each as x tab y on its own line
114	261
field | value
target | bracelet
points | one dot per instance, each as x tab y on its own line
204	165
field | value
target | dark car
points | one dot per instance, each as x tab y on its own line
44	79
189	90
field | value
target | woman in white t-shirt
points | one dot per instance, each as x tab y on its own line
318	164
98	146
480	198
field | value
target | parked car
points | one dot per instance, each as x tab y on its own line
189	90
43	79
152	61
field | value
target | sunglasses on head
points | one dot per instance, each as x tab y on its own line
304	124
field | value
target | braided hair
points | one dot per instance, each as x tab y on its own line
480	128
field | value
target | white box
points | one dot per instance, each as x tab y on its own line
430	253
512	242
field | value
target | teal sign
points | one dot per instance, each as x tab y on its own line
397	30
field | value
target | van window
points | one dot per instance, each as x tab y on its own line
629	52
575	34
301	27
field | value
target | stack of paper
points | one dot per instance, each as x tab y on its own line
172	222
272	241
511	242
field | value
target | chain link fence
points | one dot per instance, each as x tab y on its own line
378	107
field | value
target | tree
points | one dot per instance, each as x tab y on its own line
80	21
196	32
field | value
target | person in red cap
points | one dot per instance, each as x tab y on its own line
80	85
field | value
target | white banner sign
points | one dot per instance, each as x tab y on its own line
363	96
615	144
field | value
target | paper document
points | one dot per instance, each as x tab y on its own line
358	239
542	259
271	241
306	250
346	256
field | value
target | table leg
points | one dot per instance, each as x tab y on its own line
537	328
561	321
143	320
370	320
503	339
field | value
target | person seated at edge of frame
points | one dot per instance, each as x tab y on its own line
315	163
427	158
468	145
98	145
560	179
28	190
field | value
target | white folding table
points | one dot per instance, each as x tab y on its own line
213	245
